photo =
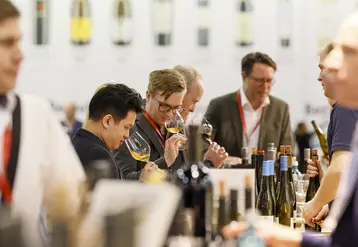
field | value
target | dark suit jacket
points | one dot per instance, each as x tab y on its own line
223	114
130	167
90	148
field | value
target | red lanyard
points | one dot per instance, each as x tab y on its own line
155	127
243	122
4	181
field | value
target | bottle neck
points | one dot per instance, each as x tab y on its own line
265	182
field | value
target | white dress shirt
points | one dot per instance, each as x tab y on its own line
252	117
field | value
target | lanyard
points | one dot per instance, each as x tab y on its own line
4	181
155	127
243	122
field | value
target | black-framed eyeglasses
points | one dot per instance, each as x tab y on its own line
165	108
262	81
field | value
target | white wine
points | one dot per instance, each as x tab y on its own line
203	25
245	30
81	25
163	22
174	130
122	23
285	22
265	202
140	157
41	22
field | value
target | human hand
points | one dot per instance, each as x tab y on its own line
171	151
216	154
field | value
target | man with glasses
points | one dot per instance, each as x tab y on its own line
164	97
252	117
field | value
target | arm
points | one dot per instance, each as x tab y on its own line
309	240
100	154
286	137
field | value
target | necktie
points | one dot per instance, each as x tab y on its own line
4	182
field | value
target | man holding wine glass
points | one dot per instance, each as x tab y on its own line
195	89
164	97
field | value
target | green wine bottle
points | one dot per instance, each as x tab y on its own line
284	208
265	202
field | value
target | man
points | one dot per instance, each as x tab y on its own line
37	156
164	97
112	112
71	123
195	90
339	137
252	117
342	64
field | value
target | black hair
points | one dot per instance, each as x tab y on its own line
114	99
248	62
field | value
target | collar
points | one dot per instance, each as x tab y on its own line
11	102
246	103
88	134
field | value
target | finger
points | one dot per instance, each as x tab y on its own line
234	229
222	150
312	174
313	168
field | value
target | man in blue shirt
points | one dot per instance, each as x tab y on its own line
339	138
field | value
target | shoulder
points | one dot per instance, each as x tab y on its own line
276	102
224	98
346	113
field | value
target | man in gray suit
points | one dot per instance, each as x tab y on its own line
251	117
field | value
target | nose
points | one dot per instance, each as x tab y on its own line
126	134
18	55
192	108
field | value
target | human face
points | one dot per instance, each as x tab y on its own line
325	78
162	110
191	98
10	53
258	84
70	111
116	132
343	62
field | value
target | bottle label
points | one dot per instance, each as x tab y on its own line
270	218
203	16
285	14
81	29
162	16
122	30
245	30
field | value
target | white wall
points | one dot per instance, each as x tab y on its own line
53	71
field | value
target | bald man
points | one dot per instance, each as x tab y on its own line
342	62
71	123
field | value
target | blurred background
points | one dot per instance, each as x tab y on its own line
56	68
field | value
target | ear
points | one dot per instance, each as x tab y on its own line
244	76
147	96
106	121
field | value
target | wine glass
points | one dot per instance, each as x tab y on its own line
176	125
206	129
138	147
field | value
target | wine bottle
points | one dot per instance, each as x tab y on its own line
81	26
284	210
292	187
163	22
245	21
196	184
41	22
122	23
245	156
285	22
281	153
271	154
234	213
203	27
222	209
254	166
265	202
312	189
307	157
260	160
322	139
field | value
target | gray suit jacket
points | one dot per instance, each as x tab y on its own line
223	114
130	167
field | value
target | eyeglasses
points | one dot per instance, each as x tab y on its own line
262	81
165	108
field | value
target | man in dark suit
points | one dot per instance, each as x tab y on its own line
251	117
112	112
164	96
342	62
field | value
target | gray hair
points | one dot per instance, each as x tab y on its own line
190	74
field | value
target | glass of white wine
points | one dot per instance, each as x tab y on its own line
138	147
176	125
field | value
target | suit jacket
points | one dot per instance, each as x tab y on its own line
223	114
130	167
41	156
90	148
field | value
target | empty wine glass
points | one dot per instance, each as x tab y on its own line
176	125
138	147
